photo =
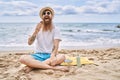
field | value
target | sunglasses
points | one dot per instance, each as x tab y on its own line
48	13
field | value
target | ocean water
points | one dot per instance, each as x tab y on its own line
14	36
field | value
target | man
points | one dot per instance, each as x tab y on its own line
47	38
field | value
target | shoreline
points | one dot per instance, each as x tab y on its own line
31	48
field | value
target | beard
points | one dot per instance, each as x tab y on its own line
47	20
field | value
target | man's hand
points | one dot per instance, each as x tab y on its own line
53	60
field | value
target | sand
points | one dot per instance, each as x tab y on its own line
106	66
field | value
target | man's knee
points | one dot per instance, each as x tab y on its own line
23	58
61	57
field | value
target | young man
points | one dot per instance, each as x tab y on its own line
47	38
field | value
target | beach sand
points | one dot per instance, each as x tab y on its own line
106	66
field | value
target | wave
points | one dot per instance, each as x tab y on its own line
68	43
72	34
94	42
111	30
71	30
89	30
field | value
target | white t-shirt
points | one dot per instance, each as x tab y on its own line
45	40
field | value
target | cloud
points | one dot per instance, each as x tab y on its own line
21	8
65	9
91	7
17	8
102	7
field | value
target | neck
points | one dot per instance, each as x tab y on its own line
47	26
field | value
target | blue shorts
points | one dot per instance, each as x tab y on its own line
41	56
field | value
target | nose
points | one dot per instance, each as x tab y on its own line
45	14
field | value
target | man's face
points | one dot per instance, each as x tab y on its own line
47	16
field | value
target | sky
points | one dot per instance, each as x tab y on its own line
83	11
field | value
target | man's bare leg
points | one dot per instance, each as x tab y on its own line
27	69
32	63
58	60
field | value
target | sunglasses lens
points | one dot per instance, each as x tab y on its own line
44	13
48	13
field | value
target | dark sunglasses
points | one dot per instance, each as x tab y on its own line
48	13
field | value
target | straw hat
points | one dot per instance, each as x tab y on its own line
46	8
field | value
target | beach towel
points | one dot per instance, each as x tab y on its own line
73	61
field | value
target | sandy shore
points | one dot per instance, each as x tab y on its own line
106	66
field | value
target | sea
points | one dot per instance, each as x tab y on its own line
14	36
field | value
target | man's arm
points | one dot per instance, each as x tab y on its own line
31	39
54	52
55	48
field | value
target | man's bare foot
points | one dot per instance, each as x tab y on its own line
27	69
61	68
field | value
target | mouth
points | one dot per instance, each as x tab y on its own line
47	19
